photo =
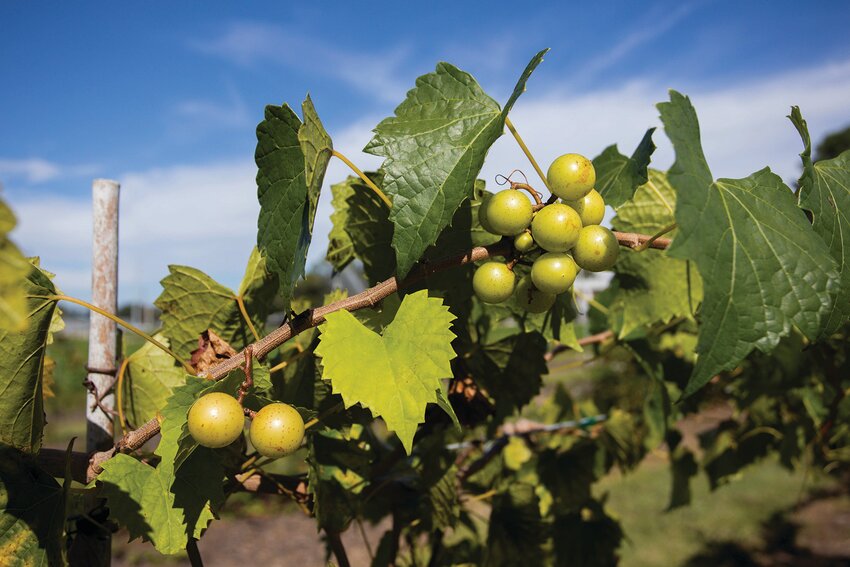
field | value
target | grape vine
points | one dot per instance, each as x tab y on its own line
423	399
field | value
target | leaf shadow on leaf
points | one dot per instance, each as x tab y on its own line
31	497
131	512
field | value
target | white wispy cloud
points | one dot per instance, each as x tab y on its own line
229	112
251	43
39	170
204	214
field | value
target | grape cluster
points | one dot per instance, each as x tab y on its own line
217	419
567	232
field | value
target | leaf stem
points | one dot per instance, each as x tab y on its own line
531	190
592	302
330	411
241	303
527	152
647	243
121	322
364	177
119	395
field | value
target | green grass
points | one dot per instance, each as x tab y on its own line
733	513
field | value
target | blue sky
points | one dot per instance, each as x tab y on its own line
164	97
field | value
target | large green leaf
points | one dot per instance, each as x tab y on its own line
21	366
166	505
14	267
764	269
652	286
618	176
395	375
32	512
284	224
151	376
589	537
192	302
825	191
434	147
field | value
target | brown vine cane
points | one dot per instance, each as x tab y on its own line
316	316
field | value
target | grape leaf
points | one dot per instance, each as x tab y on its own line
652	286
395	375
285	221
192	302
14	267
151	375
618	176
340	247
434	148
825	191
318	150
32	512
764	269
588	537
21	366
166	505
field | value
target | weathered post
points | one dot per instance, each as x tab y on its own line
92	545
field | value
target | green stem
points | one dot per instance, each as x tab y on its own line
365	179
592	302
241	303
121	322
656	236
527	152
323	415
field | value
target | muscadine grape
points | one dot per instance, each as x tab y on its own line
523	242
482	213
591	208
507	212
216	420
571	176
597	249
493	282
554	272
555	227
532	299
276	430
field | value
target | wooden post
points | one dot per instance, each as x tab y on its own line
93	543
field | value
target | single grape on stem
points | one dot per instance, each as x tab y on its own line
554	272
276	430
507	212
597	249
216	420
555	227
493	282
571	176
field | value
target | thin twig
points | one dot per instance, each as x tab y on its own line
338	549
646	244
527	152
584	341
241	303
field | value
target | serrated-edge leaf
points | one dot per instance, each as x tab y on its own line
618	176
317	147
395	375
825	192
151	376
763	267
283	227
434	147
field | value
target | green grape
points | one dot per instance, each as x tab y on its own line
493	282
276	430
591	208
507	212
216	420
554	272
555	227
597	249
523	242
482	213
571	176
532	299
